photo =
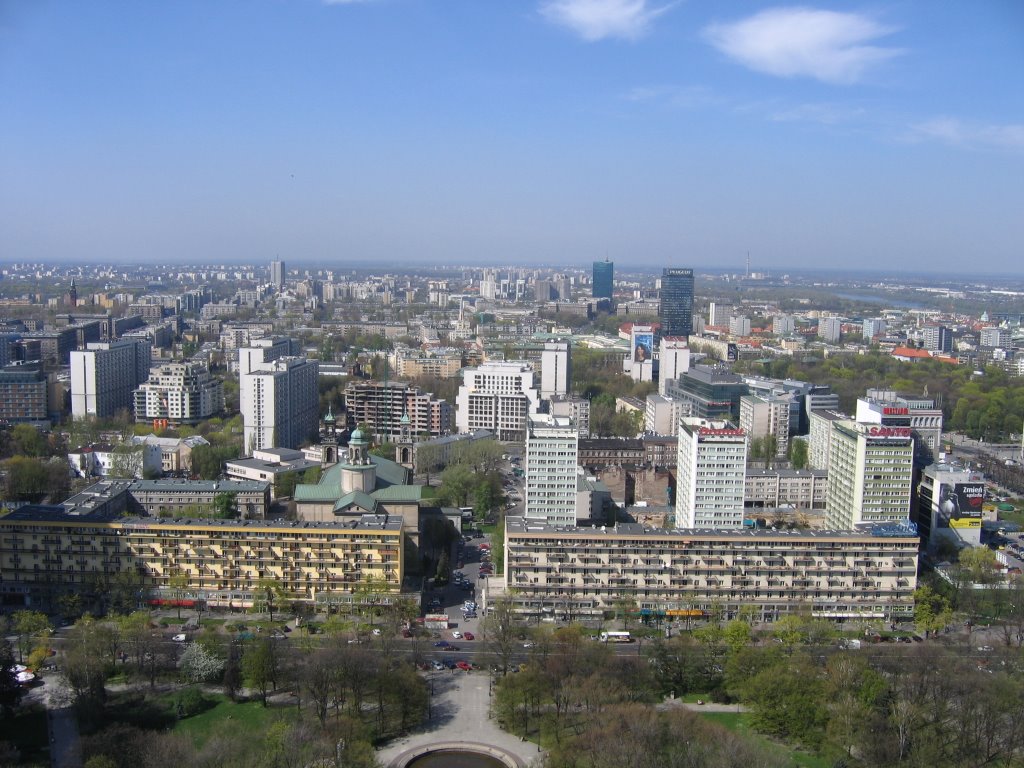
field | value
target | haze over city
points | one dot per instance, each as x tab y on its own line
549	131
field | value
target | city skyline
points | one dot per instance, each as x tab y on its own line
554	131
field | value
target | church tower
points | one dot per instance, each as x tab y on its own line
404	453
329	440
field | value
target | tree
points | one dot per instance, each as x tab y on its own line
798	453
260	667
87	661
30	625
200	665
271	592
737	635
932	612
428	459
500	635
178	583
225	506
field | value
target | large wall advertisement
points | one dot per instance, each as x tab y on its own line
960	505
643	345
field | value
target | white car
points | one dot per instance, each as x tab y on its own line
376	633
456	635
179	638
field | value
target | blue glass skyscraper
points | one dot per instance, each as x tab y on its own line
604	279
676	308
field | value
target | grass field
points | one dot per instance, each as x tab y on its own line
250	716
739	722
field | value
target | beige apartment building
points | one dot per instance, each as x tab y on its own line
566	572
46	551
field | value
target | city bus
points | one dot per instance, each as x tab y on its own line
616	637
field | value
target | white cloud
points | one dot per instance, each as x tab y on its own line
597	19
958	133
804	42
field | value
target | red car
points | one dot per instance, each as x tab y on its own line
468	636
465	667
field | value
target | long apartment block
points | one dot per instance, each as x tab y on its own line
579	572
46	551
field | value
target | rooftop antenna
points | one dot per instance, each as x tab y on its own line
748	265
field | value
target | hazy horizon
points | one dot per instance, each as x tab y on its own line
533	132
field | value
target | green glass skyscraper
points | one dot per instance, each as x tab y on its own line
604	279
676	309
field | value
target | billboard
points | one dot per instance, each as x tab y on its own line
643	345
960	505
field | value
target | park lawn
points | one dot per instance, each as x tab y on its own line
250	716
739	722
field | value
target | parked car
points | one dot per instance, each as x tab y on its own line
456	635
179	638
468	636
464	666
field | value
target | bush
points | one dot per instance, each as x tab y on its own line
191	701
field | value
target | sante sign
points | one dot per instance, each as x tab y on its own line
889	431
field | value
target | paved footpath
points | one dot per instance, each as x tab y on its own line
459	711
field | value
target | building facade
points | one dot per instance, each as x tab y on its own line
23	393
381	407
676	308
280	404
46	552
711	474
583	572
104	376
604	280
498	397
181	393
870	472
555	369
552	447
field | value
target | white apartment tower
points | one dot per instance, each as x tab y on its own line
555	369
870	470
280	403
673	361
182	393
552	448
830	329
104	376
763	416
719	314
711	474
498	397
264	350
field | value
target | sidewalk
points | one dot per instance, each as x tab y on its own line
459	715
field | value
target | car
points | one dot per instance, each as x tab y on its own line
441	644
456	635
984	648
452	647
468	636
528	644
469	615
464	666
376	633
179	638
437	665
406	633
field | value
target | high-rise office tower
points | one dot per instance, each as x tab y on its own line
676	309
277	274
104	376
604	279
552	447
711	471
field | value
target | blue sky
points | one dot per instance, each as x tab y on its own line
530	131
